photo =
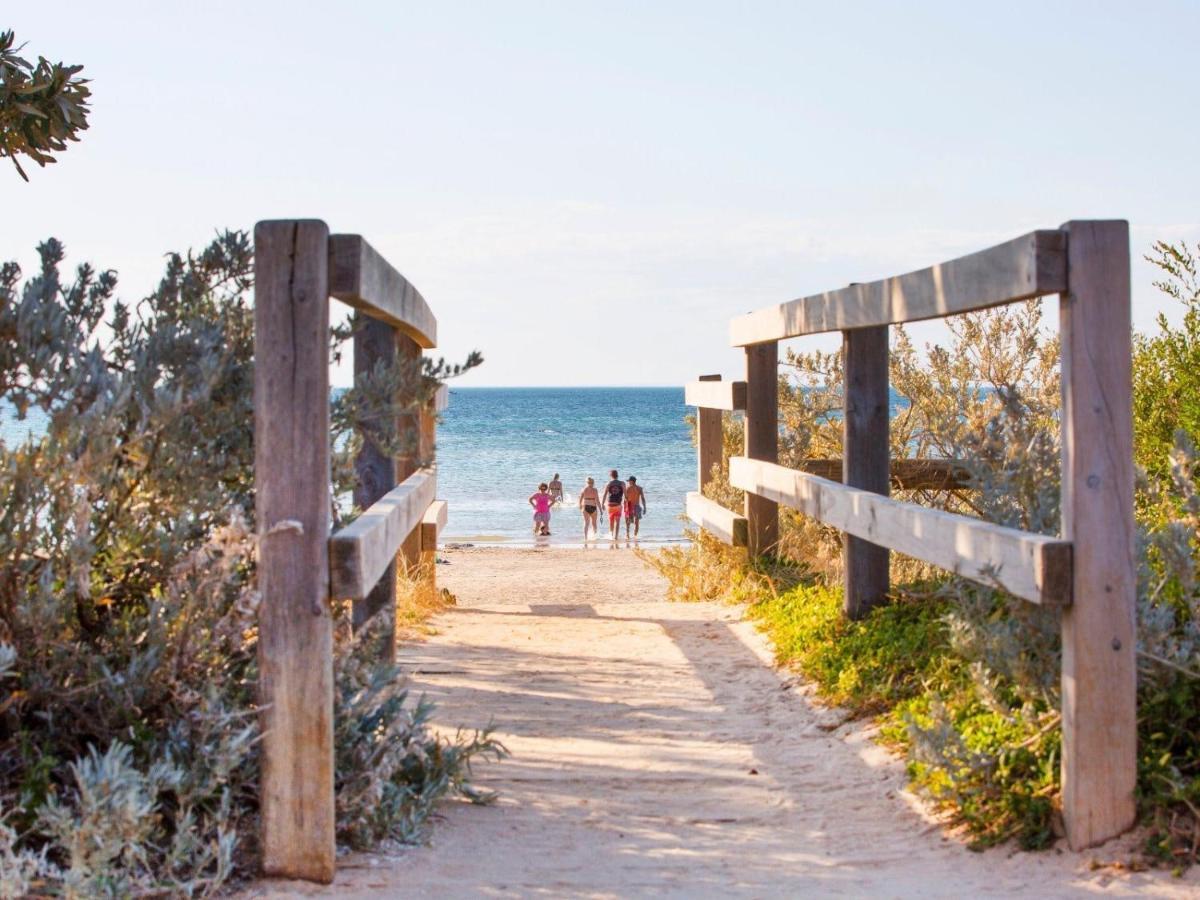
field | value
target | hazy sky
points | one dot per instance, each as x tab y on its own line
587	192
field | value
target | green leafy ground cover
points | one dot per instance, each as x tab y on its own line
962	679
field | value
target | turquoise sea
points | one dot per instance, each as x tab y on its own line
496	444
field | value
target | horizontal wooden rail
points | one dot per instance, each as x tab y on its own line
905	474
725	395
1032	566
432	523
361	552
1029	266
717	520
360	277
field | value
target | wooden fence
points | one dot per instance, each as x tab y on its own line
301	568
1089	571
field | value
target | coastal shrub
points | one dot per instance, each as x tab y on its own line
702	568
128	609
964	678
390	772
42	106
1166	366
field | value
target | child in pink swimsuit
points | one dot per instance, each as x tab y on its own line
541	503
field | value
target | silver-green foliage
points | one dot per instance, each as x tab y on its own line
389	773
128	608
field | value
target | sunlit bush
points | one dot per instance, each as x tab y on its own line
978	713
128	609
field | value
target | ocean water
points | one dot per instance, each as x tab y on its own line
496	444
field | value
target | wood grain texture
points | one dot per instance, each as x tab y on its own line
710	439
360	553
291	466
1032	566
1099	675
719	395
865	450
1029	266
412	425
717	520
432	523
762	439
375	344
361	278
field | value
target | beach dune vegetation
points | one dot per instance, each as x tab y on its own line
128	609
965	679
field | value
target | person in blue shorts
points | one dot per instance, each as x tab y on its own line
635	506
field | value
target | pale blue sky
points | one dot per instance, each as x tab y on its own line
588	192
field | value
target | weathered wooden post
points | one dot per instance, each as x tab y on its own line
1099	674
435	516
410	461
292	505
865	458
375	344
709	440
762	439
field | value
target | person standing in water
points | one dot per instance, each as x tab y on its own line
589	505
635	506
541	504
614	495
555	486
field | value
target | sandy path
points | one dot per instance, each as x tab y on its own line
657	753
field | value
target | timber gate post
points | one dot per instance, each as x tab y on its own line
410	461
865	459
1099	673
292	504
435	517
710	439
375	345
302	569
378	343
762	439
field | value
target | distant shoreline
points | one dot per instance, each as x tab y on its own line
496	542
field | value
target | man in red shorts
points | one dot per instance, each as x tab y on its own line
614	496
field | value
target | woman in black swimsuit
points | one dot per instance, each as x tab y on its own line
589	505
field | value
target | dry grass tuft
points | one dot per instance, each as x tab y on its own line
418	598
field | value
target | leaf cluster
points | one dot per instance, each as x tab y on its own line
42	106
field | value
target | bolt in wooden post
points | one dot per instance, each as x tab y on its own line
865	459
292	505
709	440
374	345
1099	675
762	439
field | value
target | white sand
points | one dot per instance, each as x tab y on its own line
656	752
